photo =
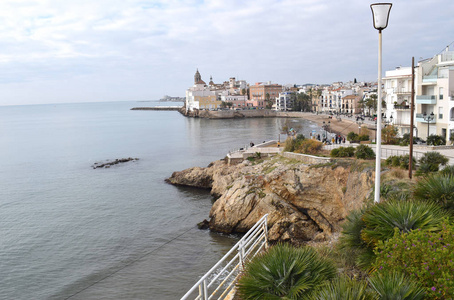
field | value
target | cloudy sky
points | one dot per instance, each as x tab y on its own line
57	51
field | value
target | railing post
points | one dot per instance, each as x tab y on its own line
241	254
203	292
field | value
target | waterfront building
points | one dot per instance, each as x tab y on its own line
350	104
260	93
285	101
397	92
200	96
331	98
435	94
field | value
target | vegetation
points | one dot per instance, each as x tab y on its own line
395	285
343	152
436	140
285	272
424	256
390	135
355	138
431	162
437	188
364	152
401	161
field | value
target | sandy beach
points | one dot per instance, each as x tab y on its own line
343	127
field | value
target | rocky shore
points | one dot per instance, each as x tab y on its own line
304	202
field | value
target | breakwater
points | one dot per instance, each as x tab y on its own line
158	108
246	113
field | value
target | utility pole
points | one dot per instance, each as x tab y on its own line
412	109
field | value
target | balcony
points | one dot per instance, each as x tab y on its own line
431	79
420	118
402	91
426	99
401	107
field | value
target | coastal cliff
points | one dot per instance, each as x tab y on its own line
304	203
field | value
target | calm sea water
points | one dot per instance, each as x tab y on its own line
68	231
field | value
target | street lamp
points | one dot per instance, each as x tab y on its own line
326	128
389	121
380	15
428	119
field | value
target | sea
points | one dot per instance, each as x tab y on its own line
69	231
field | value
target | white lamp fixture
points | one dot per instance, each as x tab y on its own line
380	15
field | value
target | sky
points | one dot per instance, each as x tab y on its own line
66	51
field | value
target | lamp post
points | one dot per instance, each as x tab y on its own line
428	119
325	128
380	15
389	121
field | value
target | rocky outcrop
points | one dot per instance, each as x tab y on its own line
304	203
109	163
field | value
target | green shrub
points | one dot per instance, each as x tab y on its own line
381	219
352	137
448	171
309	147
394	285
343	152
427	257
436	188
364	152
285	272
405	140
405	162
395	162
431	162
344	288
436	140
402	161
363	137
365	229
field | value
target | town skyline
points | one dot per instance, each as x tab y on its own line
57	52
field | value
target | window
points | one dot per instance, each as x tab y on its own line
440	112
440	93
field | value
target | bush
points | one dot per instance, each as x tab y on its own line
343	288
364	152
352	137
389	135
405	140
427	257
437	188
292	144
381	219
365	229
431	162
448	171
436	140
309	147
402	161
284	272
343	152
394	285
363	137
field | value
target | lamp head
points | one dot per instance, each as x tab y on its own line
380	15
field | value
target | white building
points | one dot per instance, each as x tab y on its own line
435	94
285	101
331	99
397	91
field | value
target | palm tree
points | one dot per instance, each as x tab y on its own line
437	188
390	286
405	215
284	272
343	288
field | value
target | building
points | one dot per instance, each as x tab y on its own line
285	101
350	104
397	91
435	94
331	98
260	93
200	96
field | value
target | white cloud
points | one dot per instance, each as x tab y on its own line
151	48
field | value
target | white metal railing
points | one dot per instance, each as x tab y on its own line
220	280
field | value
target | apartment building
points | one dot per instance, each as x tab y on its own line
397	92
435	95
331	99
285	101
261	92
350	104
